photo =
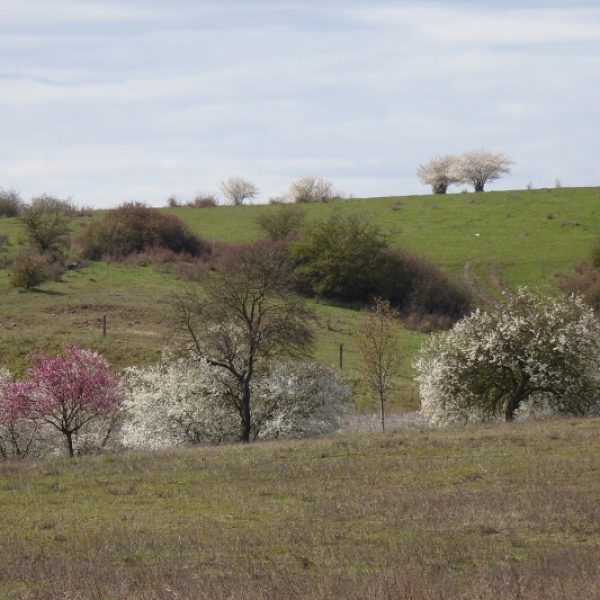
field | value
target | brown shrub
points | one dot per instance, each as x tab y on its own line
585	282
136	228
30	269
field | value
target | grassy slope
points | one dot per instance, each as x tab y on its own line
496	513
524	237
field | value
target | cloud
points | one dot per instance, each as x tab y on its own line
175	96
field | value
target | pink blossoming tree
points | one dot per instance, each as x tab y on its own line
71	389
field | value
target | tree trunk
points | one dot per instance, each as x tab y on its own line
479	186
440	188
382	410
69	436
245	415
515	400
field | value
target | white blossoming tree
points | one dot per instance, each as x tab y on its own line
175	403
183	401
237	190
531	355
439	173
480	166
300	400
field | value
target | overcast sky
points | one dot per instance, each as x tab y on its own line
108	102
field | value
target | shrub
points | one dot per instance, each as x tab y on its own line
340	256
134	228
30	269
282	222
203	201
347	257
426	296
311	189
586	282
47	220
530	355
11	204
184	401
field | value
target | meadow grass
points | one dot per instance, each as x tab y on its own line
496	238
506	512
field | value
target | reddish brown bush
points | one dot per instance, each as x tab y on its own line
136	228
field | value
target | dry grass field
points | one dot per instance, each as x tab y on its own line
477	513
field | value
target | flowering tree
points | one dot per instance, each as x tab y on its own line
18	433
237	190
439	173
176	403
529	355
184	401
70	390
378	346
298	400
480	166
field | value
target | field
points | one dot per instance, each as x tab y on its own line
488	513
488	240
505	512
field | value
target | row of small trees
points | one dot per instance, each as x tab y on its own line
238	190
476	167
72	401
530	357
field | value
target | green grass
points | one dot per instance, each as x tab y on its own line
525	237
436	511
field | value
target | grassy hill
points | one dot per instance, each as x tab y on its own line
489	240
508	512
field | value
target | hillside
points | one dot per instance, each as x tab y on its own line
506	512
489	240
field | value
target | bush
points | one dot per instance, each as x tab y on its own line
11	204
531	355
183	401
135	228
47	220
30	269
203	201
347	257
282	222
586	283
312	189
340	256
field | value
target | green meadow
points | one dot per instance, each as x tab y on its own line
488	240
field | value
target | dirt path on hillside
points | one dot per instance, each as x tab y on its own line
480	293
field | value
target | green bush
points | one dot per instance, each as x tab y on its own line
347	257
134	228
11	204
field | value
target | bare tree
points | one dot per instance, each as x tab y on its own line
480	166
379	350
438	173
246	316
237	190
311	189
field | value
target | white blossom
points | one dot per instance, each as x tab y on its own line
530	358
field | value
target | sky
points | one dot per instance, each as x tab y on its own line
108	102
